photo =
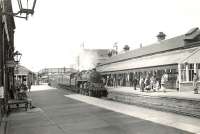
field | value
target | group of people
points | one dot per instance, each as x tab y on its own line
147	83
21	90
114	81
150	83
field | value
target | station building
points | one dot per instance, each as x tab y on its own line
24	74
179	57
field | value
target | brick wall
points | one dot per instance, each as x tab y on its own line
171	104
187	86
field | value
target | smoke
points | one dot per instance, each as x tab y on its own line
88	59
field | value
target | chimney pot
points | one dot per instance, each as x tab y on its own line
161	36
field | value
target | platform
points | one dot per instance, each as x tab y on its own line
186	103
171	93
186	123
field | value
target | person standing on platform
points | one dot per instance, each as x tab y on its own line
147	83
164	81
29	86
195	80
142	84
107	80
118	80
114	81
23	90
134	83
131	79
177	84
157	85
153	83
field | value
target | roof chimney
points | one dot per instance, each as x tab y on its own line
161	36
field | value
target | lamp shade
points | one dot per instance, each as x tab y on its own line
17	56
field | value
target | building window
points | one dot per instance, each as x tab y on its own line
183	72
191	71
174	71
172	75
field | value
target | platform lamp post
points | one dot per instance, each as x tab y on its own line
25	8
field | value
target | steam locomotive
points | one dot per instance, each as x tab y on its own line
87	82
90	83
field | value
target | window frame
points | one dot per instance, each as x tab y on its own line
191	71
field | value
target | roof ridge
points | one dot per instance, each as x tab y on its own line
155	43
165	45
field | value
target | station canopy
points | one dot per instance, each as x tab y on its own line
193	58
156	60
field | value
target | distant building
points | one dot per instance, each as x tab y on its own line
47	74
90	58
24	74
178	57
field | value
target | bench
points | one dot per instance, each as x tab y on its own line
14	102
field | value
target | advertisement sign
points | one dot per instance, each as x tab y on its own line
1	92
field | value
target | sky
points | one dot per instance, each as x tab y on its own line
53	35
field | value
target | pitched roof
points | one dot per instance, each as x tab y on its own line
165	45
192	34
193	58
22	70
168	58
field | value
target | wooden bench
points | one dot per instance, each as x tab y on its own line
13	102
